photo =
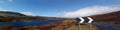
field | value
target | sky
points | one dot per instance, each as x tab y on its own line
60	8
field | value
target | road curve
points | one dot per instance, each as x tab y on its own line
107	26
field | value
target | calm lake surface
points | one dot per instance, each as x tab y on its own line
29	23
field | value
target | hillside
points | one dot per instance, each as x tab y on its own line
66	24
113	18
109	18
8	13
15	16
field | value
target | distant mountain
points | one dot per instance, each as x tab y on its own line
67	23
15	16
8	13
109	18
9	16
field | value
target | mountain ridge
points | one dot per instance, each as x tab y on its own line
109	18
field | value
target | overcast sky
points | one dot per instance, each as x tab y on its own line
60	8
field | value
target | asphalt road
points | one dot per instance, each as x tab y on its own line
107	26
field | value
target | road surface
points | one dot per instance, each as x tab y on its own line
107	26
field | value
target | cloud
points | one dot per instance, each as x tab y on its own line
3	9
0	8
2	1
93	10
10	0
27	13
